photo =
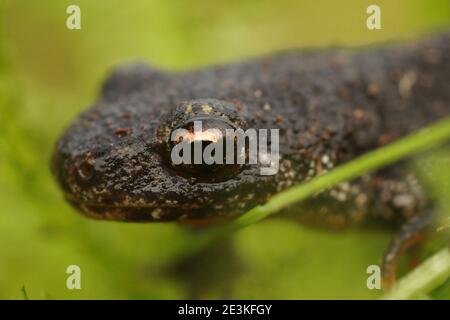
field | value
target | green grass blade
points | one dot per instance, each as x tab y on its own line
426	277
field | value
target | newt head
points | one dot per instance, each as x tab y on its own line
114	162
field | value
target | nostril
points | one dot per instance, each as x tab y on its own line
86	171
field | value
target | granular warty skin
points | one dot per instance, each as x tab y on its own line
113	162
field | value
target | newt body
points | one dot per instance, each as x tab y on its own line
330	106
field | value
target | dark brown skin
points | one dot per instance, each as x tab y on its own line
113	162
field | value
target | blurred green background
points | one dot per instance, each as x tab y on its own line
48	74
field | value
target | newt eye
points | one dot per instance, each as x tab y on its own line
86	171
205	149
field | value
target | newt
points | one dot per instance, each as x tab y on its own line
330	106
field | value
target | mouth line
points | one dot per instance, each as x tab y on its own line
161	206
133	212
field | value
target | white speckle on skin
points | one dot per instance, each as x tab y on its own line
344	186
342	196
406	83
361	200
156	214
403	200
